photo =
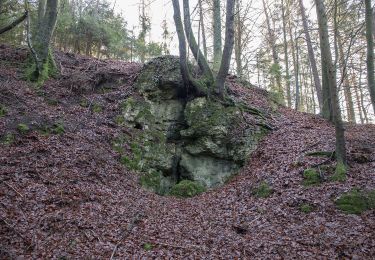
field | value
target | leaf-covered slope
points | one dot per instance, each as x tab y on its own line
67	195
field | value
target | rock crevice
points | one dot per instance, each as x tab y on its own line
187	137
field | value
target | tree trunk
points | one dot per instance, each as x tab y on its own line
286	57
345	81
202	62
238	41
228	48
47	16
201	18
331	76
318	86
276	63
181	41
370	52
14	23
217	35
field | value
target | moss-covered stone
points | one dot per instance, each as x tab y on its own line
184	136
187	189
160	79
156	182
353	202
311	177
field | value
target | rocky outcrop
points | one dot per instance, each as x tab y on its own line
187	137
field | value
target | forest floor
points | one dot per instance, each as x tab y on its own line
66	196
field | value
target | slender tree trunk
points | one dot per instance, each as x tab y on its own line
295	64
217	35
345	81
228	48
202	62
286	57
238	40
358	101
318	86
201	18
14	23
331	73
298	98
370	52
276	63
181	41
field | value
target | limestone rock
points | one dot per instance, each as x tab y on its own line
186	137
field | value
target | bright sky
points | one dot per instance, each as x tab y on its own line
162	9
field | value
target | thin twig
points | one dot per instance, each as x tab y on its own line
10	186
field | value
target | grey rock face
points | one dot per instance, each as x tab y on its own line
187	137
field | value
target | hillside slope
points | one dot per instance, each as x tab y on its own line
64	194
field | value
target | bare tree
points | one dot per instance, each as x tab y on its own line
326	57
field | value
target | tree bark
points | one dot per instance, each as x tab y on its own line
331	77
47	16
286	57
318	86
228	48
370	52
217	35
201	18
14	23
275	57
238	41
181	41
199	57
345	81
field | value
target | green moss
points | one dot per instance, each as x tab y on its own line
263	190
129	102
340	173
148	246
120	120
96	108
84	103
187	188
23	128
8	139
52	102
132	161
306	208
311	177
151	181
353	202
371	199
3	110
48	70
58	128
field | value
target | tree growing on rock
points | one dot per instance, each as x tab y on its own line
203	87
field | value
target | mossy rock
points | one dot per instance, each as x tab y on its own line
187	189
160	79
353	202
311	177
